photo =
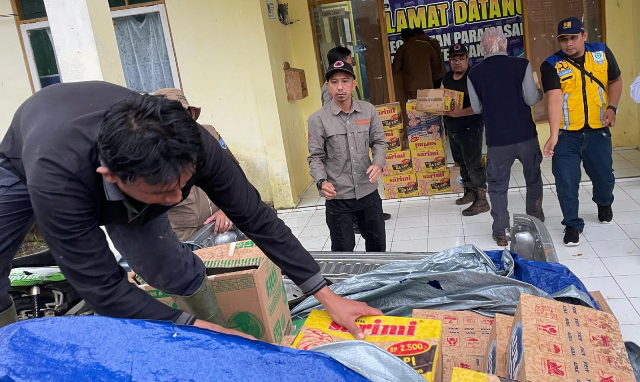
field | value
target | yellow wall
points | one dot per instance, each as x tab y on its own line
14	80
106	43
305	55
221	61
622	37
294	43
230	57
622	18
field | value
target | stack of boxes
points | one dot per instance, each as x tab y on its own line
398	180
546	341
554	341
416	157
425	132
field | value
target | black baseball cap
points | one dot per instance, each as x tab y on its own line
570	26
339	66
457	49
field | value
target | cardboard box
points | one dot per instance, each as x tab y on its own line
454	173
421	144
601	301
248	287
496	352
390	115
431	183
552	341
400	186
420	120
438	101
295	82
395	140
415	341
398	163
429	126
159	295
429	160
463	375
464	339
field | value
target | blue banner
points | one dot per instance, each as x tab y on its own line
456	22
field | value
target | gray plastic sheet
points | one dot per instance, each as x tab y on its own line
462	278
633	351
370	361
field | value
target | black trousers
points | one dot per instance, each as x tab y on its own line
466	149
371	224
499	162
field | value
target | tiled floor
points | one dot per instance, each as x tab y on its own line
608	258
626	164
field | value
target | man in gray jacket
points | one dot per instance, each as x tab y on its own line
503	89
340	136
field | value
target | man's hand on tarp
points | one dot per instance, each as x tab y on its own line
344	312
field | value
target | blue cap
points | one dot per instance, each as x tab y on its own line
570	26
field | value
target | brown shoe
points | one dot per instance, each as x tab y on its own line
480	204
501	239
469	197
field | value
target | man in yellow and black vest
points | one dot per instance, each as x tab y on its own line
583	84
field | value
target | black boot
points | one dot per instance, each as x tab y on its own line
469	197
480	204
500	238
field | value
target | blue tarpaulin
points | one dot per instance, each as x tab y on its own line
549	277
96	348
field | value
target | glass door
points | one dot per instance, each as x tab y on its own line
354	24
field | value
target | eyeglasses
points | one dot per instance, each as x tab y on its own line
458	60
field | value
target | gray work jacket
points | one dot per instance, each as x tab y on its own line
339	146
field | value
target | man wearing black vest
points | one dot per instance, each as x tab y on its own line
503	89
464	130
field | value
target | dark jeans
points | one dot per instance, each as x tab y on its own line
153	250
593	148
370	223
499	162
466	149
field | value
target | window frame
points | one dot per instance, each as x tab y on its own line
115	13
168	40
28	50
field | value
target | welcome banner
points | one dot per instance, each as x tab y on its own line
456	22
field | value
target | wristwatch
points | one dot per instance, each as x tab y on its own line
615	109
319	183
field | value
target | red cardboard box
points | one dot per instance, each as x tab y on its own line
464	338
552	341
496	353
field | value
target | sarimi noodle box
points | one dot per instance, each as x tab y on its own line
415	341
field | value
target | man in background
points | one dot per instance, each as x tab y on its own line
340	137
440	69
465	129
503	89
196	210
414	65
340	53
584	85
